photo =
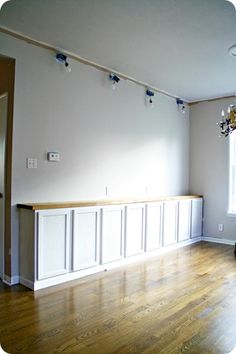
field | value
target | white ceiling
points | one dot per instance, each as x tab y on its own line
179	46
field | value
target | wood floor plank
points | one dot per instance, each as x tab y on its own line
181	302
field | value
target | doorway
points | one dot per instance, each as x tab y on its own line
7	81
3	126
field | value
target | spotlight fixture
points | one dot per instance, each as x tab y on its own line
62	59
114	80
181	105
233	2
149	96
232	50
2	2
227	123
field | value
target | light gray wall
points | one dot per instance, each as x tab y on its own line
105	137
209	156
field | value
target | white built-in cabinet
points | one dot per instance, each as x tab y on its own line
184	220
134	229
170	222
196	217
112	234
153	226
85	238
63	244
53	243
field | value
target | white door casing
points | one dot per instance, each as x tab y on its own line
3	129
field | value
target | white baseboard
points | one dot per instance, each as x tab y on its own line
6	280
15	280
219	240
11	280
28	283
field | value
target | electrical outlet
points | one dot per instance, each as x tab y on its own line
220	227
53	156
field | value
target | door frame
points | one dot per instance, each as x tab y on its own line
3	195
7	85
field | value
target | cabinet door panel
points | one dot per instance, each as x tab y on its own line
153	226
112	234
184	220
85	238
196	218
170	223
53	243
134	230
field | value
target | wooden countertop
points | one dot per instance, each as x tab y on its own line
103	202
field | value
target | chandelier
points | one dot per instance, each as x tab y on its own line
227	123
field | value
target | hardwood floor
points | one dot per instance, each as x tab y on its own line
180	302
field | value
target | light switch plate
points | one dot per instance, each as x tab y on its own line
31	162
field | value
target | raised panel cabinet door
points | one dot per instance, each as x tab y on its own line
184	220
85	238
153	226
112	222
170	210
53	243
196	218
134	231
